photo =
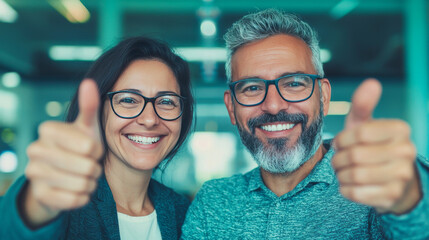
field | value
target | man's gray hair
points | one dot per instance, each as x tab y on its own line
266	23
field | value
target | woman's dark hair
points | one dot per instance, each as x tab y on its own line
106	70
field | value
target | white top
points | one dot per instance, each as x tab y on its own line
141	227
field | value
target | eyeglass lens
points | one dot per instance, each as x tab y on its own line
292	88
129	105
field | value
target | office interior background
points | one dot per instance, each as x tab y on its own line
46	46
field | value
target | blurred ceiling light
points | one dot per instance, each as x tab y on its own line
8	162
11	79
195	54
73	10
325	55
54	109
208	28
7	13
7	136
339	108
343	8
8	108
74	53
8	102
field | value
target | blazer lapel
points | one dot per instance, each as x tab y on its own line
107	209
165	211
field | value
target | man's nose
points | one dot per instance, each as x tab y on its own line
274	103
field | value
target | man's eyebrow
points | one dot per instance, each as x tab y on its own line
158	93
281	75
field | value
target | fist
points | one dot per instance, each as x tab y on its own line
63	163
375	159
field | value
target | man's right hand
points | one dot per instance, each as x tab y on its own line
63	163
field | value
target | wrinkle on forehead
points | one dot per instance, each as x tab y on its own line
271	57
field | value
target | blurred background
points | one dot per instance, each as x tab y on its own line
46	46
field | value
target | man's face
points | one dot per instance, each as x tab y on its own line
280	135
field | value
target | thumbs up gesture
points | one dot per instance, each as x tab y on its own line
63	163
375	159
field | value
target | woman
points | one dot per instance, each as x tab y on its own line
135	113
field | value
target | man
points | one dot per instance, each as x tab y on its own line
367	184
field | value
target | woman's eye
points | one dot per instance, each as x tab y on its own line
127	100
166	101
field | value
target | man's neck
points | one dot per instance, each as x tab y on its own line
281	184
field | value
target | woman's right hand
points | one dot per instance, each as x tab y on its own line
63	163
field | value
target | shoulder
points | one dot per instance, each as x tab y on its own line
224	188
159	192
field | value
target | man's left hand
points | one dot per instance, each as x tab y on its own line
375	159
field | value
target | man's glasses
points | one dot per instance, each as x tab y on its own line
129	104
292	88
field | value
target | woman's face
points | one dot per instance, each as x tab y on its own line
143	142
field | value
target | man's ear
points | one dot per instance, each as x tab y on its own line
326	94
227	98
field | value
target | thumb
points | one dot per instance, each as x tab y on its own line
364	101
89	100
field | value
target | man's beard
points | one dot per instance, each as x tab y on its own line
276	157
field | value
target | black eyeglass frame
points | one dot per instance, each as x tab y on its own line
276	83
147	100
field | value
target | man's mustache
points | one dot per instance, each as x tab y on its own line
280	117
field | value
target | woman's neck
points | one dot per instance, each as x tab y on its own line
129	188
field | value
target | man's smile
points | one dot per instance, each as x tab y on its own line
277	127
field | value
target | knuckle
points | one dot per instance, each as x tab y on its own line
406	150
348	192
99	151
411	151
387	203
75	201
403	126
354	156
32	171
29	170
86	186
82	185
45	128
356	176
362	132
39	192
97	170
91	169
406	173
335	161
395	193
353	195
32	150
92	186
88	146
79	200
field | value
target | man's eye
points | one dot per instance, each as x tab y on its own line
252	88
295	84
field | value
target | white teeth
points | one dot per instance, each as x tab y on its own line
277	127
143	140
